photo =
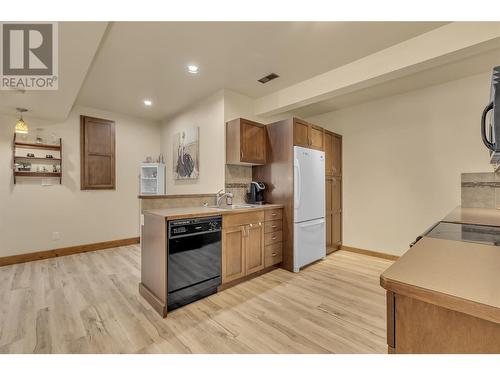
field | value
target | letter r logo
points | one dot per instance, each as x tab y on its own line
27	49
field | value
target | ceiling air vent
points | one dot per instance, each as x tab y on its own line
268	78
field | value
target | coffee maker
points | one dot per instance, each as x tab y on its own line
255	192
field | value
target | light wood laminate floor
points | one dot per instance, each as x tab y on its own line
89	303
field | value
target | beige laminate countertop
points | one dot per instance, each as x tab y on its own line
479	216
186	212
457	275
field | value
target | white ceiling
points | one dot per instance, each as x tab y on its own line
78	43
138	60
481	63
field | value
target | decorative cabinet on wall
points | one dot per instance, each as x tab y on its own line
307	135
97	138
246	142
333	181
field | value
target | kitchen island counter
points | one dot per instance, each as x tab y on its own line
449	291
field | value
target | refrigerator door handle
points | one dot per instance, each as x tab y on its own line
297	183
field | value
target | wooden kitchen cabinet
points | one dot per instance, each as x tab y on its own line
273	237
333	214
307	135
337	155
300	133
329	214
316	135
233	253
333	191
246	142
254	248
250	242
242	245
333	154
328	153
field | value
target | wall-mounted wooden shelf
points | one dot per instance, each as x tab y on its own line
43	146
37	174
32	158
39	146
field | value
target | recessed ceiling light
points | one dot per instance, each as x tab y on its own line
148	103
193	69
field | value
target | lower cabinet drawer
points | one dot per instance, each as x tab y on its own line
273	226
245	218
274	214
273	237
273	254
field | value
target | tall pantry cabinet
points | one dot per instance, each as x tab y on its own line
333	190
277	174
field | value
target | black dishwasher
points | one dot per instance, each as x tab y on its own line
194	259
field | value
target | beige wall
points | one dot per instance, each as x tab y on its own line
403	156
30	213
208	114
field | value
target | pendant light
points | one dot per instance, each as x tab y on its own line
21	126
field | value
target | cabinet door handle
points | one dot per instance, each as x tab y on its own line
273	214
273	254
273	238
274	226
241	154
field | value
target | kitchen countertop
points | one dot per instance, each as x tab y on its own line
186	212
479	216
460	276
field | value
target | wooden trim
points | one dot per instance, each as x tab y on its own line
391	318
176	196
332	249
370	253
232	283
154	301
39	255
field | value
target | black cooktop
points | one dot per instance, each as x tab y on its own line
482	234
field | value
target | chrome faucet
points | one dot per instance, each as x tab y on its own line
220	196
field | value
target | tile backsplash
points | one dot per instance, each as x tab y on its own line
481	190
238	178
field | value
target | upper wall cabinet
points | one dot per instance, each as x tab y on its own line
246	142
97	153
307	135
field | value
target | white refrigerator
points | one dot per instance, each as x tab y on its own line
309	231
